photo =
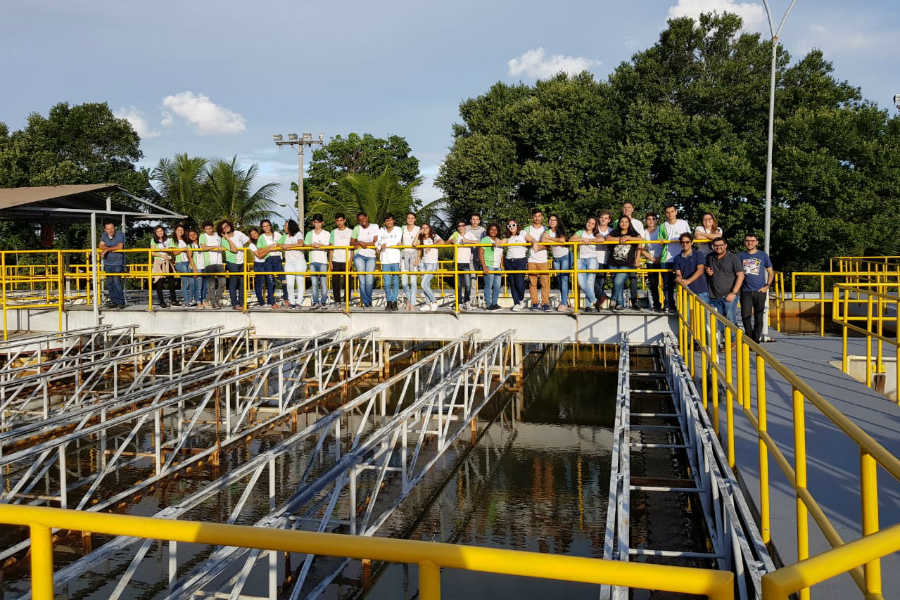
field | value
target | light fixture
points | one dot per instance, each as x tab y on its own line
897	100
321	137
292	137
278	137
307	137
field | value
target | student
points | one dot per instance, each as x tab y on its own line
318	261
515	260
294	263
653	253
758	278
267	244
262	283
427	261
490	256
184	264
337	259
111	241
623	256
408	259
364	239
537	262
671	230
707	232
234	242
587	260
562	258
198	266
476	233
725	276
690	268
211	244
628	211
389	237
162	267
603	231
463	237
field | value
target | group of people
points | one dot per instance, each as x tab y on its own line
284	259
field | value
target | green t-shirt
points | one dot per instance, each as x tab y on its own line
492	256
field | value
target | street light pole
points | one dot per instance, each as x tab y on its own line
300	142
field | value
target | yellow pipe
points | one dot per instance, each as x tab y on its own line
869	342
868	476
765	528
429	581
41	561
800	481
729	398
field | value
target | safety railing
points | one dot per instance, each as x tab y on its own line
826	280
726	374
430	557
865	263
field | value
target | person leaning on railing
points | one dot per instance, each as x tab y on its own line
758	277
427	260
408	258
211	244
234	241
725	275
463	237
490	256
199	265
587	260
337	259
389	237
562	258
111	241
184	264
364	239
623	256
515	261
537	261
162	267
318	261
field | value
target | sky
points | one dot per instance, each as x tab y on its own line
218	79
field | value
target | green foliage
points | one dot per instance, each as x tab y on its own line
360	155
180	183
362	192
685	122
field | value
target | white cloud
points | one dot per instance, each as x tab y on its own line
754	15
537	65
138	120
167	119
201	112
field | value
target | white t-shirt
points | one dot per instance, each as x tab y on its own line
464	253
430	256
515	252
541	255
586	250
293	255
638	226
673	232
367	235
324	238
557	251
199	263
269	240
340	238
706	247
240	240
253	248
654	249
211	258
394	237
409	237
603	251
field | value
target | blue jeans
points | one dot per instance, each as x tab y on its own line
619	284
493	280
188	284
264	284
669	286
463	283
409	282
586	280
201	289
391	282
729	309
366	282
319	283
563	263
114	284
275	264
426	279
235	284
516	280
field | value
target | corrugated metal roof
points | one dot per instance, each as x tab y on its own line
73	202
10	197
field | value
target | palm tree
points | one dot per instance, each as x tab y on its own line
360	192
227	194
180	182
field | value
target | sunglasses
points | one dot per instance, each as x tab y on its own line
683	243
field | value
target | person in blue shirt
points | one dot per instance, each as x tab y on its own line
689	267
758	278
113	262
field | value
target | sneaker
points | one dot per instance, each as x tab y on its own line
122	306
545	308
467	306
237	308
534	308
493	307
517	308
562	308
434	307
162	305
425	308
175	303
619	307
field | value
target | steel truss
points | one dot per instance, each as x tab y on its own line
736	541
35	349
114	368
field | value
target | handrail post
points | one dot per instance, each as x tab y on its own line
845	357
869	340
800	481
868	475
764	528
60	284
574	251
729	396
456	276
3	281
429	581
41	562
149	279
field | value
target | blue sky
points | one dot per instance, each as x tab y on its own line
219	78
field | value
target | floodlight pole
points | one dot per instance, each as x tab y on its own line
300	141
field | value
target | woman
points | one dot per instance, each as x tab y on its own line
515	261
234	242
427	260
603	231
162	266
463	238
197	267
184	264
587	260
562	258
706	233
294	263
408	258
268	245
491	256
261	281
622	256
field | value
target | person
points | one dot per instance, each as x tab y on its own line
653	253
623	256
724	276
234	242
587	260
318	261
562	258
198	266
427	260
537	262
707	232
267	244
294	263
211	244
184	264
671	230
490	256
162	267
111	241
690	268
476	232
758	278
364	239
515	261
389	237
628	211
262	283
408	256
337	258
463	237
603	231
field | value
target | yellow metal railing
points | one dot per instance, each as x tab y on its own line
430	557
728	372
860	278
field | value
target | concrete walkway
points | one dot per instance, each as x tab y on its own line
832	458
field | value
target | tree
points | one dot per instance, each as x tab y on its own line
226	194
361	155
180	183
361	192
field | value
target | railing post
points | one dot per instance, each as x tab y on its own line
763	450
868	475
869	341
3	281
574	250
429	581
41	562
800	482
729	396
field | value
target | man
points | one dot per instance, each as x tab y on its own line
537	261
724	275
689	268
671	230
388	238
211	244
337	260
653	252
364	239
317	238
758	278
475	232
113	262
628	211
234	242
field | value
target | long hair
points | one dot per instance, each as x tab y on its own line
158	239
715	226
292	228
560	227
632	232
187	235
222	224
596	225
180	238
430	236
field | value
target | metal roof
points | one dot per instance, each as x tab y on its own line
73	202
